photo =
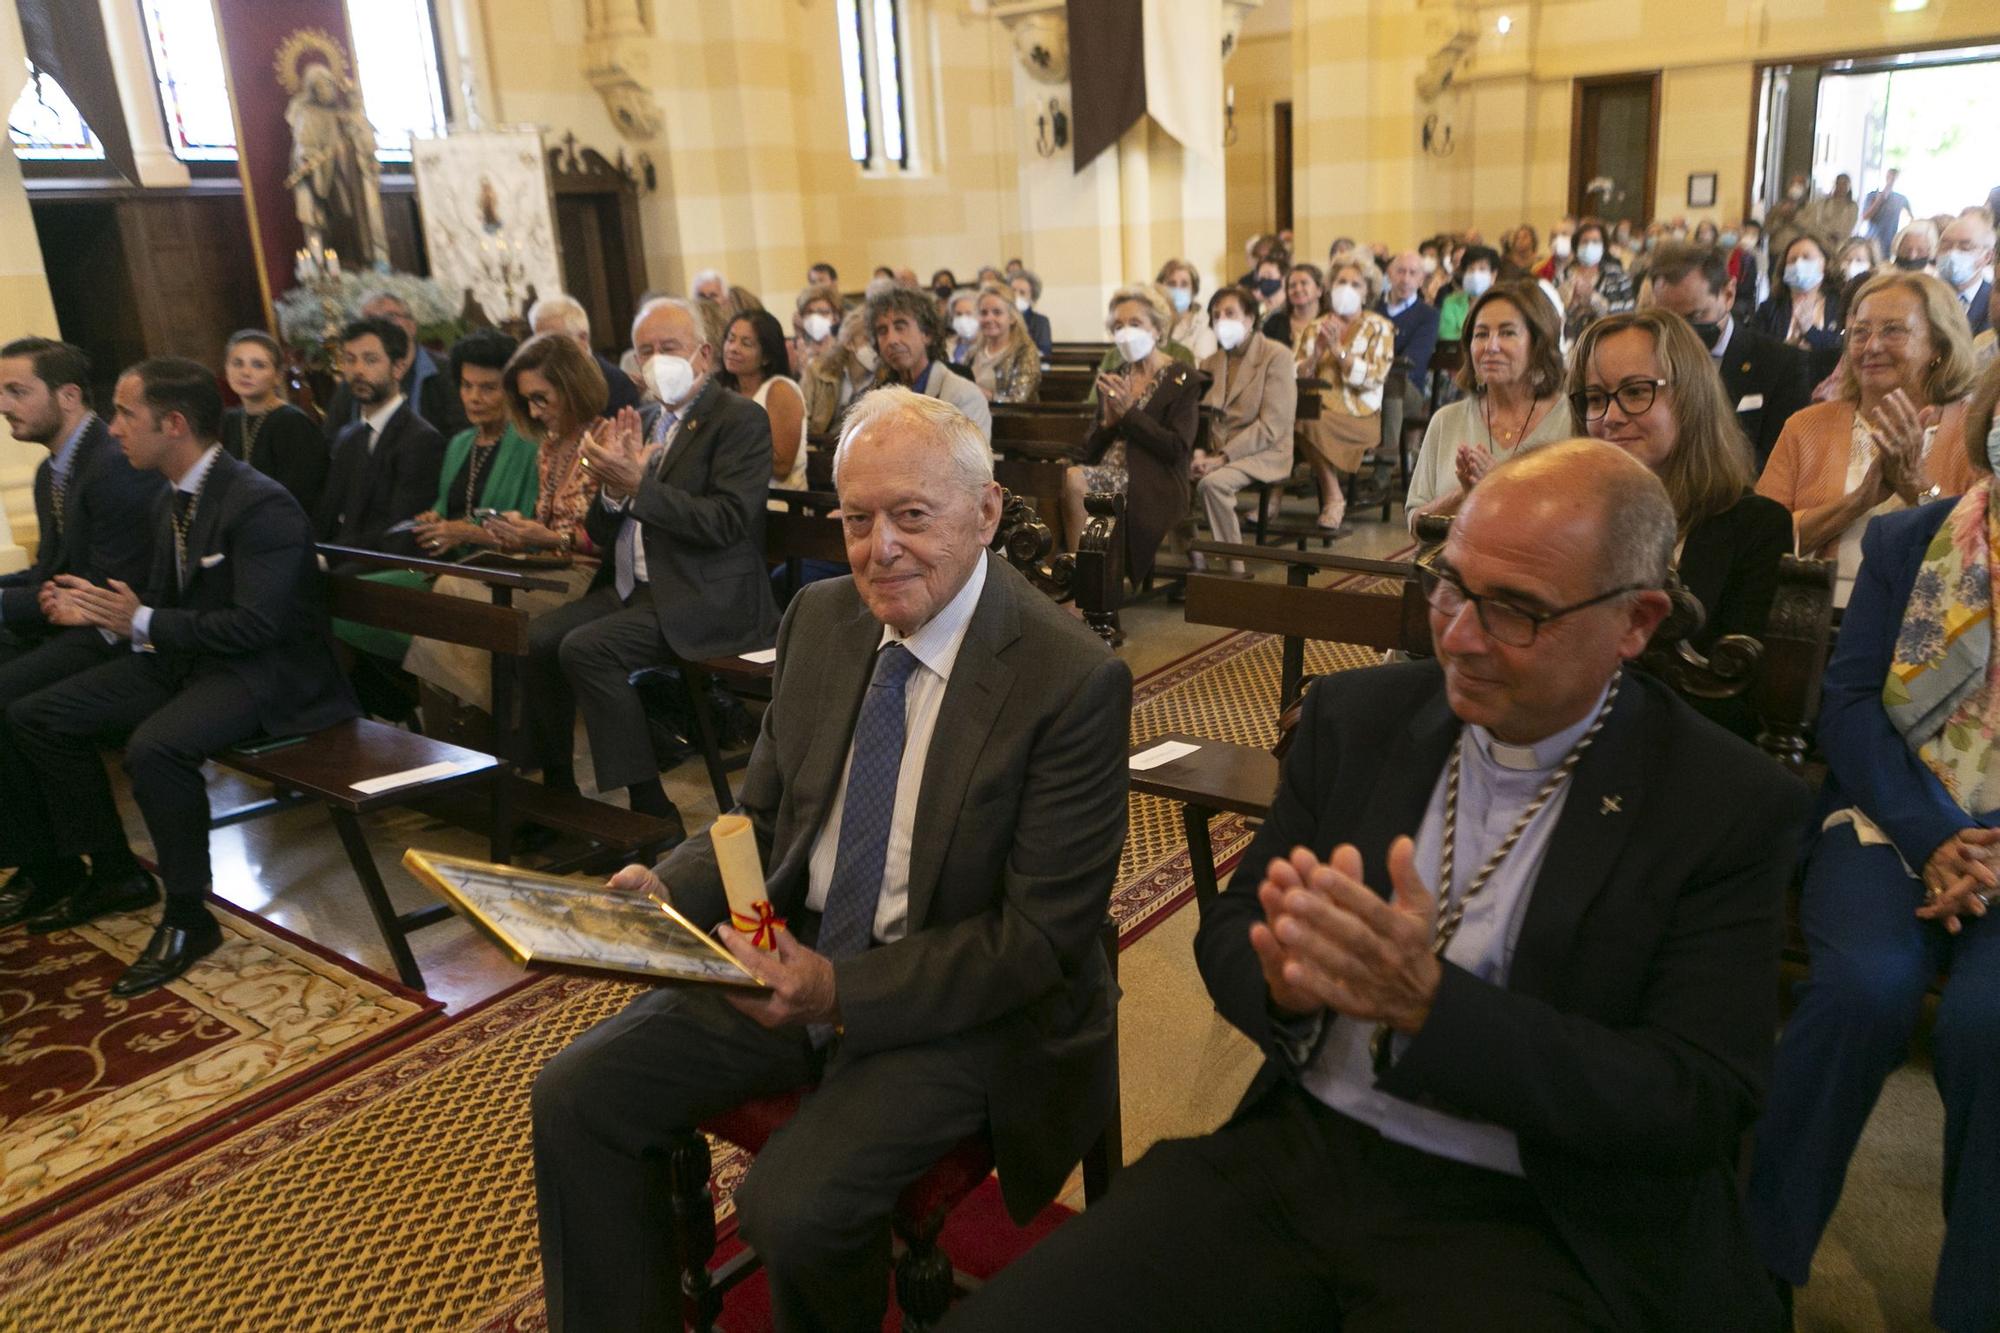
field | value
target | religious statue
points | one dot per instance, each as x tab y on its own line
335	177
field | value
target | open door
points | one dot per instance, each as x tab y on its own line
1614	147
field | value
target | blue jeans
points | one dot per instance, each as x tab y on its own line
1871	962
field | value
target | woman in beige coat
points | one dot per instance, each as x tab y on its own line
1254	385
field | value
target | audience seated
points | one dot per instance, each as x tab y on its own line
943	283
1747	268
1806	311
1477	269
1148	411
1255	393
1005	363
1965	262
939	971
415	370
708	284
1520	253
267	432
1765	379
833	380
1854	263
1593	284
815	320
1268	286
1900	874
962	315
224	641
753	364
530	407
1304	304
679	517
1887	440
742	301
1513	1100
1182	283
1352	347
386	464
1512	375
1027	289
823	274
909	344
566	316
1915	246
1416	320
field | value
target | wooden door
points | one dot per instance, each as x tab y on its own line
1281	165
1614	147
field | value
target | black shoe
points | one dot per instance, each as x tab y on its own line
25	896
96	898
171	951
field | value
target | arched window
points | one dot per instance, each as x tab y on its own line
395	48
46	126
875	81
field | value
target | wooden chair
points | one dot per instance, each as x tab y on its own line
925	1280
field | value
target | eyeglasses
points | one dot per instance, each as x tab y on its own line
1635	399
1889	335
1503	622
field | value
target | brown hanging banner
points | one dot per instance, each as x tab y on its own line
304	148
66	41
1107	61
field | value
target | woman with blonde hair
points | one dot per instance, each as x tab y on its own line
1893	437
815	321
1006	364
1182	283
832	381
1353	348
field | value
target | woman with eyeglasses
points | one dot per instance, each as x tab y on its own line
1645	382
1900	878
1888	442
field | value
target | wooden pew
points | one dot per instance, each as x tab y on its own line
1077	355
1064	385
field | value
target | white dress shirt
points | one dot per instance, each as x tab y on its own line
379	417
630	534
189	484
935	645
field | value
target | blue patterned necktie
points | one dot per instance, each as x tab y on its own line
625	561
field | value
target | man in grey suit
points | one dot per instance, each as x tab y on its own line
939	798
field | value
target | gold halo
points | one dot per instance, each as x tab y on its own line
293	55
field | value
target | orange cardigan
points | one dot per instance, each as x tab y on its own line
1808	465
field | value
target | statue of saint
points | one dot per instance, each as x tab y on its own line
335	177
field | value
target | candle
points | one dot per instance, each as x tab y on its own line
1229	97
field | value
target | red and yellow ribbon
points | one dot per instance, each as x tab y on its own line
762	927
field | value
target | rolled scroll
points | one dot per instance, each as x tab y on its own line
742	871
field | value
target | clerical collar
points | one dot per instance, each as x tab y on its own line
1545	753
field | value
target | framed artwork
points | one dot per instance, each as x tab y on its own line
1701	189
489	217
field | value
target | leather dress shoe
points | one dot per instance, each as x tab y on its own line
171	951
25	897
96	898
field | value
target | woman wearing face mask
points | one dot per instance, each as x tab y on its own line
1352	348
1255	393
1027	289
1512	378
1916	246
1594	284
815	319
1644	381
1892	438
1305	303
1806	310
1561	243
1147	412
1182	284
1897	884
1437	274
961	314
1005	364
267	432
753	366
1477	269
1856	262
1270	286
943	283
833	381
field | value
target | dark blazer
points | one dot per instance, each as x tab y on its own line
106	530
1763	371
1159	445
1038	329
624	393
1823	345
1630	1046
1980	312
1730	563
701	511
1416	335
426	384
1016	845
368	492
253	602
1868	763
439	404
288	449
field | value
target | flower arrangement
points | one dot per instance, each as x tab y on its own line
311	314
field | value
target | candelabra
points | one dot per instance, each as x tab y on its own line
501	264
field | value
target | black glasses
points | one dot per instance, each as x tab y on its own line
1503	622
1635	399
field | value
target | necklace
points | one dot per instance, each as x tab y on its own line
250	429
1508	437
482	454
183	521
1451	906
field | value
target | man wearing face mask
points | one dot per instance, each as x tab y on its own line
1766	379
1028	290
680	517
909	340
1965	254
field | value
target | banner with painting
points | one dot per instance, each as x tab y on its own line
489	219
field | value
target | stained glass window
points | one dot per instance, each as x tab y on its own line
875	82
46	126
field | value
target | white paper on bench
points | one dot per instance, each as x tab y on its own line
443	768
762	657
1163	753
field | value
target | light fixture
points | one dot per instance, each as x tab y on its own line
1907	6
1505	23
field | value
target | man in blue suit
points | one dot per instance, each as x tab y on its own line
1416	320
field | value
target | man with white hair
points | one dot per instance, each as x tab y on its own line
1965	262
560	313
1416	319
709	285
938	795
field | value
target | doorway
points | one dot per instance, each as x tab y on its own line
1614	147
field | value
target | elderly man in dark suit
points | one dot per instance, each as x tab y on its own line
680	518
1509	1061
565	315
94	511
227	642
1766	379
939	798
386	464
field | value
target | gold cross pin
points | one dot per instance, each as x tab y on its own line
1613	805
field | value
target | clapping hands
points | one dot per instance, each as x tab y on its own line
1897	427
1471	463
615	453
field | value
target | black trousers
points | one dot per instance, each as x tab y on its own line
28	663
582	656
815	1205
169	722
1293	1216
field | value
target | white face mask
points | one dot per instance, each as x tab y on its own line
1182	299
1231	333
1430	263
816	326
1857	267
1021	303
1803	275
1589	253
1345	300
1477	282
1134	345
1958	267
865	355
965	326
1559	246
671	376
1993	447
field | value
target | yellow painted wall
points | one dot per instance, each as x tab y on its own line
1261	72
